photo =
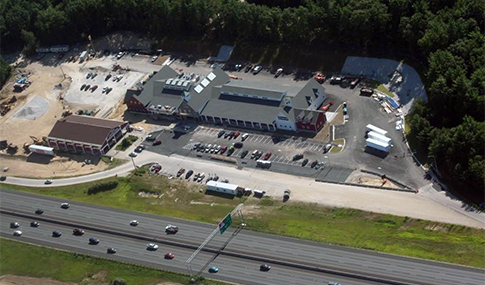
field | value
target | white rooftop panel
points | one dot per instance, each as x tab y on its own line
174	82
180	83
186	83
211	76
169	81
205	82
198	88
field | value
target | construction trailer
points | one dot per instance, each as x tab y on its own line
376	144
263	163
83	56
372	128
379	137
225	188
42	149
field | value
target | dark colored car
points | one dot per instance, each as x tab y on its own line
34	224
157	142
226	135
56	233
297	157
170	229
264	267
223	149
14	225
189	173
244	153
78	232
248	68
39	211
238	145
180	172
221	133
258	155
3	178
93	240
111	250
82	87
314	163
304	162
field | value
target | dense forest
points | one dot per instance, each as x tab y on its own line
449	34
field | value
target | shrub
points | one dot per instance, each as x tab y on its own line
118	281
101	187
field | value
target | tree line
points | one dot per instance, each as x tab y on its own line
448	34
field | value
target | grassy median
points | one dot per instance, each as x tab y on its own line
37	261
349	227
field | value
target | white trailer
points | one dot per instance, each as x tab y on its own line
376	136
223	187
379	145
42	149
263	163
83	56
372	128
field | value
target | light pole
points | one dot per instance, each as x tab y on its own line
435	165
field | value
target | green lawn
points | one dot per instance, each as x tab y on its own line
354	228
420	152
384	90
36	261
126	142
115	162
335	148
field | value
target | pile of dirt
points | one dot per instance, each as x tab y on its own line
34	109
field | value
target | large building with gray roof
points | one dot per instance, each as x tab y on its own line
218	99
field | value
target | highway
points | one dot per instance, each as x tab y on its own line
247	250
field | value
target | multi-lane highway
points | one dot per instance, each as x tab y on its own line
293	261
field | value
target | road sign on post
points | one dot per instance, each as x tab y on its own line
224	224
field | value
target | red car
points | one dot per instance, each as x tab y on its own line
157	142
267	156
169	256
223	149
78	232
236	134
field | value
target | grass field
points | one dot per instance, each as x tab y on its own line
384	90
354	228
335	148
72	267
112	163
126	142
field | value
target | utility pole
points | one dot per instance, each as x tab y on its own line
92	45
435	165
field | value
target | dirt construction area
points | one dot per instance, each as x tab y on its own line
55	89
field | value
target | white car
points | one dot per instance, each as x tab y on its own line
17	233
244	137
65	205
154	58
152	246
134	222
133	154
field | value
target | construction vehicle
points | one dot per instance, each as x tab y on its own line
12	148
66	113
37	141
4	108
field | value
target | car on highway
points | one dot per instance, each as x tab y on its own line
264	267
244	153
39	211
313	164
189	173
244	136
169	255
14	225
297	157
17	233
65	205
3	178
134	223
34	224
267	155
333	283
77	232
304	162
238	145
171	229
133	154
213	269
48	181
180	172
220	133
93	240
56	233
152	246
111	250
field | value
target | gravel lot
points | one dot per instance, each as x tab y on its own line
34	109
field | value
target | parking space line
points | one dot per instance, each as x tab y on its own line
267	141
259	139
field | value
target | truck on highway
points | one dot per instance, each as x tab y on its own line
379	145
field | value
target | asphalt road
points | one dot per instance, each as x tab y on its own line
259	246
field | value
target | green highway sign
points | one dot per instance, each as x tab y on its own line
224	224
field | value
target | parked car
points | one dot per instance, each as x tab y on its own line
220	133
319	165
87	87
223	149
218	149
248	68
56	233
39	211
34	224
93	240
236	134
152	246
134	223
154	58
111	250
304	162
213	269
17	233
264	267
171	229
196	145
230	150
327	148
196	176
108	76
94	75
313	164
244	153
189	173
65	205
133	154
297	157
267	156
278	72
258	155
3	178
180	172
254	153
150	138
78	232
169	255
257	69
157	142
14	225
201	177
238	145
83	86
89	75
244	136
120	55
